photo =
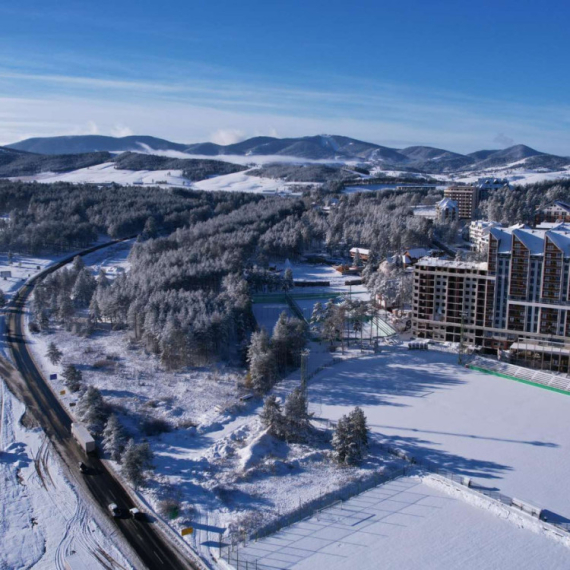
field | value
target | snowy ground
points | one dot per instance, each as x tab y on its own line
216	461
106	173
507	435
410	523
42	521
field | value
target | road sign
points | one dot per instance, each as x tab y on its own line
53	376
186	531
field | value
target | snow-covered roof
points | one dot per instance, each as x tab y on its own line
540	348
452	264
533	239
447	204
360	250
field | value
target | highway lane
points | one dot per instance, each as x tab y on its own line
149	544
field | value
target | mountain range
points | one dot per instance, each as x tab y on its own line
320	147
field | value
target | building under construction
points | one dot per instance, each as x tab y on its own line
519	299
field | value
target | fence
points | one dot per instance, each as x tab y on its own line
231	553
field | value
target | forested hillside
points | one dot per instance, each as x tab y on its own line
193	169
15	163
61	216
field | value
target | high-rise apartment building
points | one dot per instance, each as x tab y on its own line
520	295
467	198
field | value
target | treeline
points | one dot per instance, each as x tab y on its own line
17	163
520	204
383	222
193	168
186	297
60	216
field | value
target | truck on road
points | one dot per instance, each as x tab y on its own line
83	437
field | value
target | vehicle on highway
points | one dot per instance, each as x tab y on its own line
137	515
83	437
83	468
115	511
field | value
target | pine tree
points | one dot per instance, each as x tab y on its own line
65	307
350	440
44	321
296	412
94	311
288	279
91	409
73	377
340	440
54	354
262	369
136	459
2	299
83	289
318	313
114	438
102	279
272	418
78	264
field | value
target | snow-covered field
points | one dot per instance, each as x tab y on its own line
106	173
506	435
243	182
42	520
410	523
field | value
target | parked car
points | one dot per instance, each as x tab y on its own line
83	468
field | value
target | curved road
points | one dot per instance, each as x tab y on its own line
145	539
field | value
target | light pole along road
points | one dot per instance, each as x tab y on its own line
27	383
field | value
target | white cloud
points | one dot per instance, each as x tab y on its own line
121	131
227	136
92	128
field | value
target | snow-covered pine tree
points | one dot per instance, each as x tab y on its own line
114	439
296	412
84	288
136	459
261	361
73	377
357	436
272	418
54	354
288	279
340	440
91	409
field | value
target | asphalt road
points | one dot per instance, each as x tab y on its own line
152	548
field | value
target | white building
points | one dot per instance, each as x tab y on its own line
479	233
447	210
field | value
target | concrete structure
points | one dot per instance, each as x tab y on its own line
479	234
520	295
467	198
447	210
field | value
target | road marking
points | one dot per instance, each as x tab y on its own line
161	561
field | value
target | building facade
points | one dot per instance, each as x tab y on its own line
519	297
447	210
467	198
557	212
479	231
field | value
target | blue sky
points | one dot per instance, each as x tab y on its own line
460	75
